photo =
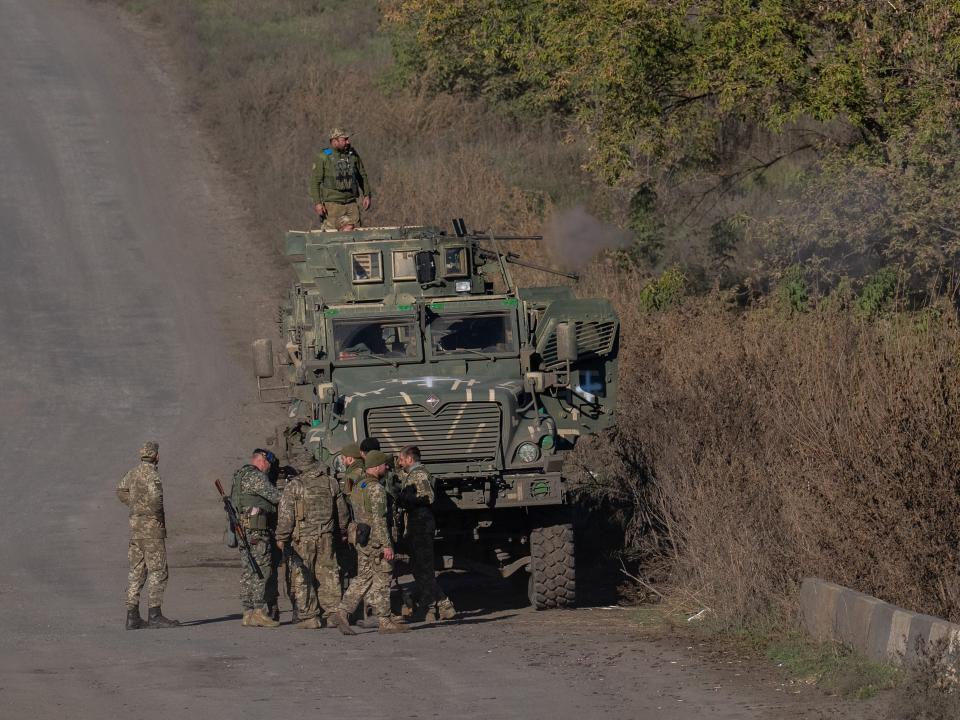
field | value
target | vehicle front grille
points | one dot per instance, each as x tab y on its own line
458	431
593	340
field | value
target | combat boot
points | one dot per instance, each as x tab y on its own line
156	619
343	623
246	618
259	618
420	613
311	623
390	626
134	621
446	610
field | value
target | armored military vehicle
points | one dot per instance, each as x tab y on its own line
415	336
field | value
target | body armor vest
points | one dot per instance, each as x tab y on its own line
345	172
314	508
243	501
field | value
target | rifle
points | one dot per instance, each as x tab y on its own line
238	528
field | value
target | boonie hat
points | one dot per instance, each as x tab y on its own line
338	132
375	458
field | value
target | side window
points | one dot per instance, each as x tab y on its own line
367	267
404	264
455	262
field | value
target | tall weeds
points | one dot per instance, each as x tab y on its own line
760	447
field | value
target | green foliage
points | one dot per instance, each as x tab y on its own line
697	99
879	292
792	291
725	235
663	292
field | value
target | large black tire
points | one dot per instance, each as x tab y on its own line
553	580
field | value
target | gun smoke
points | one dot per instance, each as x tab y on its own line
573	237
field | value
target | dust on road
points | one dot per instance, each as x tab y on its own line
129	290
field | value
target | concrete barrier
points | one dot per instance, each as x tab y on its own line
878	630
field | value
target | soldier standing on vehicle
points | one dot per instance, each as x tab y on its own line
310	509
340	184
369	534
416	498
141	491
255	499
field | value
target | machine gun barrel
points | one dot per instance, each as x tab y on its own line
509	237
514	259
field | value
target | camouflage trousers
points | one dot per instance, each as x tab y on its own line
321	592
421	528
372	583
341	213
148	563
252	588
271	592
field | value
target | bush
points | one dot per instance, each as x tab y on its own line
663	292
756	449
879	291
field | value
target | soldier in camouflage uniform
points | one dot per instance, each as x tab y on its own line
310	508
255	499
351	475
340	184
353	467
374	556
416	498
141	491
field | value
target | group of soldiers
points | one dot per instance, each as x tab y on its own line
327	529
324	528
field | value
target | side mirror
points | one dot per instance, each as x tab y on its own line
567	350
426	267
263	358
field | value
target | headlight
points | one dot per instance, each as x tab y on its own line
462	286
528	453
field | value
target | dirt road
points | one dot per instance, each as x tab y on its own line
128	293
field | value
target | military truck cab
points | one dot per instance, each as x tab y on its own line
417	337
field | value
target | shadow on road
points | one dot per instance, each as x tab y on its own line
211	621
461	621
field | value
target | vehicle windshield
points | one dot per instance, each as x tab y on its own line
394	338
491	332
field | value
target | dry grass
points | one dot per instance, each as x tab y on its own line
758	447
271	78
